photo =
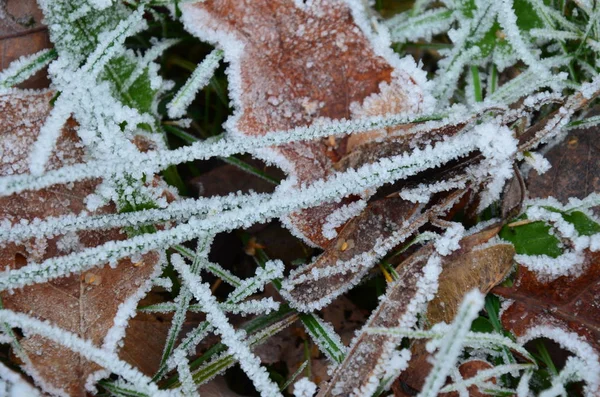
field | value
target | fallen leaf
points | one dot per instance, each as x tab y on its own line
569	303
300	62
471	266
22	33
145	339
85	304
575	168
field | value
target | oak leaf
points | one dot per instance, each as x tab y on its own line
569	303
292	63
87	304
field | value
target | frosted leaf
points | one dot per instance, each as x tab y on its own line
272	91
82	294
566	303
369	354
65	339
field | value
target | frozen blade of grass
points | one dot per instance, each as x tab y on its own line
257	306
260	328
508	19
472	339
250	169
451	344
483	375
229	160
154	161
176	211
188	386
190	341
321	333
294	375
425	25
149	56
195	83
585	123
477	90
324	337
523	386
224	361
25	67
119	390
183	299
49	133
238	347
214	268
112	42
271	271
257	208
86	349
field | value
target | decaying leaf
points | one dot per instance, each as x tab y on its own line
569	303
473	265
94	305
576	155
294	62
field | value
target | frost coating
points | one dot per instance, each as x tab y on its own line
304	388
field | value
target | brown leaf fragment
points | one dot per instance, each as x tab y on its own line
570	303
382	225
467	268
316	284
473	265
369	352
22	33
300	62
468	370
85	304
575	168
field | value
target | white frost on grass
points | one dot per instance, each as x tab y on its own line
450	347
199	78
13	385
304	388
235	341
587	366
257	209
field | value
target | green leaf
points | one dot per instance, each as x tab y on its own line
527	17
582	223
532	239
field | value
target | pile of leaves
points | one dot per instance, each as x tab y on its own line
286	197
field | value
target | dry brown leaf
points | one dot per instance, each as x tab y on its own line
467	268
575	168
471	266
301	61
85	304
569	303
22	33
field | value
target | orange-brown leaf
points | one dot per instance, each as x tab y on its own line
570	303
299	63
84	304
